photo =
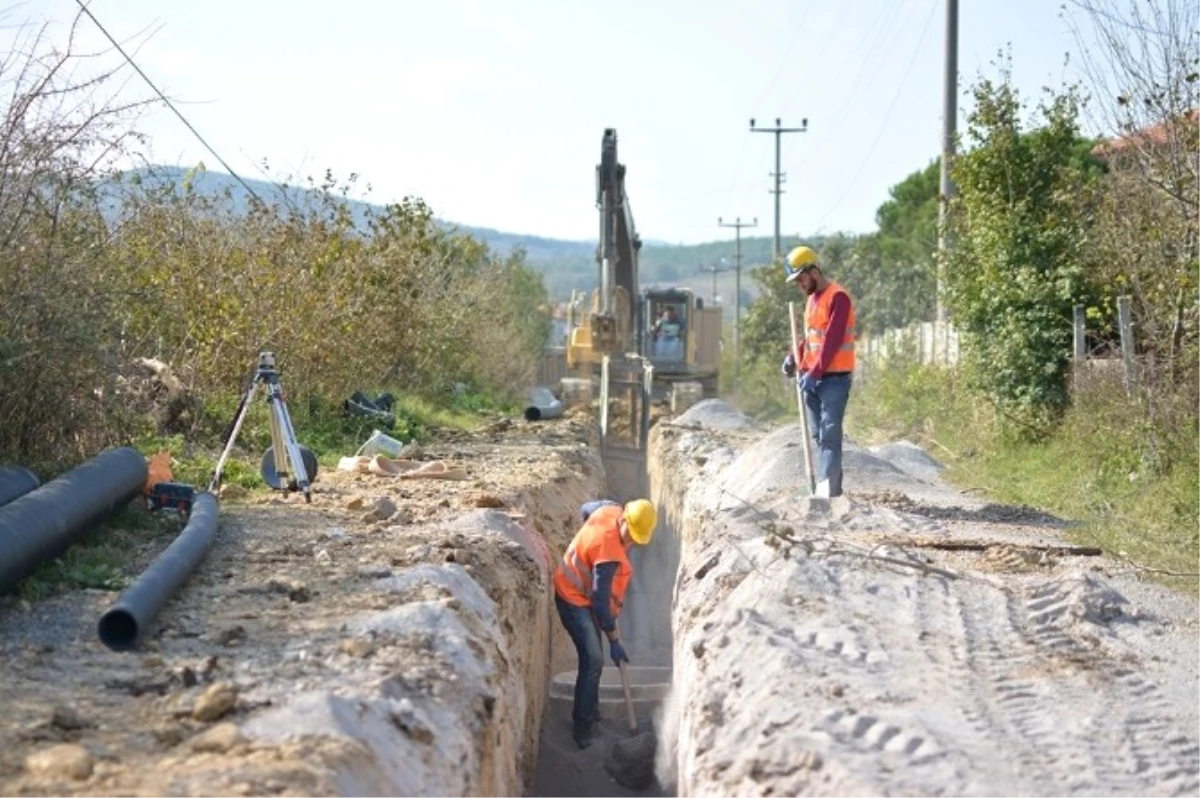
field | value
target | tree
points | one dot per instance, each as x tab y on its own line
59	131
1142	61
1016	269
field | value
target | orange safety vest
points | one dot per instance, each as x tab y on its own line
599	540
817	314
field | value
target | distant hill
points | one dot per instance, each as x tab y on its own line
565	264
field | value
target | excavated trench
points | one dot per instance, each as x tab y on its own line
622	761
779	644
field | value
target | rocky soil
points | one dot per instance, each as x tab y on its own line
393	637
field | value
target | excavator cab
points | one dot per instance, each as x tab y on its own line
667	316
682	338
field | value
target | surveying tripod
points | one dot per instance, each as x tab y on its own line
286	465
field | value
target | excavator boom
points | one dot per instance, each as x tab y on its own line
613	317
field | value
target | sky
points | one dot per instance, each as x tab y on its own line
492	111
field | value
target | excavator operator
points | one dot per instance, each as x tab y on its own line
589	590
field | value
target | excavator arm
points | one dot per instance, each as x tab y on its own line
613	316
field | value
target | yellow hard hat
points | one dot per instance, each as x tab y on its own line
797	261
642	518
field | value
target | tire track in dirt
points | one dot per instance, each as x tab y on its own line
1015	671
847	648
1027	687
1141	750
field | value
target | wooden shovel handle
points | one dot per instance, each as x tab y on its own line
628	700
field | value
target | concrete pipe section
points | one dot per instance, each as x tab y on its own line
648	687
542	405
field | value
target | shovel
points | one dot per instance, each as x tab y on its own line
633	725
808	464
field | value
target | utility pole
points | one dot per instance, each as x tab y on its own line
737	225
946	188
777	174
715	270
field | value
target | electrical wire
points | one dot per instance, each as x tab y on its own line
817	59
884	124
868	66
161	96
744	188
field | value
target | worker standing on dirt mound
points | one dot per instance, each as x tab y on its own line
826	363
589	590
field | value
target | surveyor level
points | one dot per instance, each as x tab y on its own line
286	465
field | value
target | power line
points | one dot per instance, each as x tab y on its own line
819	58
883	125
167	102
737	290
880	40
715	270
741	156
778	174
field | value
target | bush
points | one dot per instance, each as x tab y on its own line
99	270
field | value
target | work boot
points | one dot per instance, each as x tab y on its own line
584	736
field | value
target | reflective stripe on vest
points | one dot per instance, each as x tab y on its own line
598	541
817	315
819	336
572	568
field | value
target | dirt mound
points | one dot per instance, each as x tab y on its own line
863	653
390	638
631	761
714	414
909	458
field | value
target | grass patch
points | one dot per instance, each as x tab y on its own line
330	433
1125	469
107	558
104	557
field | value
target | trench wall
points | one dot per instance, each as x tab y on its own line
466	641
722	692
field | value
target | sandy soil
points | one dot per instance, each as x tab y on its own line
851	647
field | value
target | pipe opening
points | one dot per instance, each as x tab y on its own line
533	413
118	629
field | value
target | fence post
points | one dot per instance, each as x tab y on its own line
1080	346
1125	320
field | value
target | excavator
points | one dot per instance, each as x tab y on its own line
642	345
638	346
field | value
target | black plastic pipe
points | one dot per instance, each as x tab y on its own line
45	522
121	627
15	482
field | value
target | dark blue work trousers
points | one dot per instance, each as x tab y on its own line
826	407
585	634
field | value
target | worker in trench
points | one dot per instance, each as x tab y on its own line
825	362
589	591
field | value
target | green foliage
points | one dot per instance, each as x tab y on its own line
198	282
895	402
892	273
1016	270
108	558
